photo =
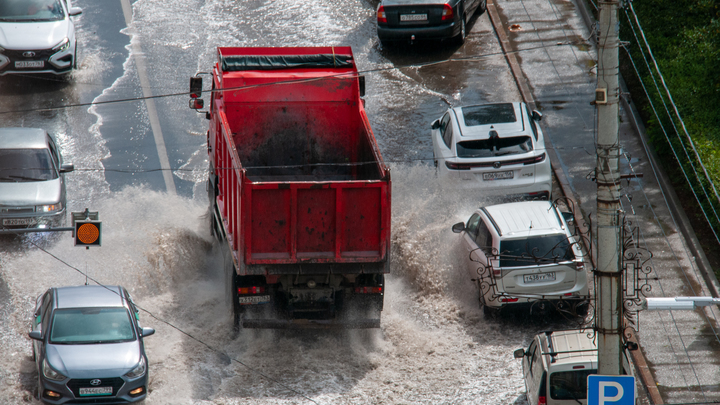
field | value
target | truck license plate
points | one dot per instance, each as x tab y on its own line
413	17
538	278
498	175
254	299
96	391
29	64
16	221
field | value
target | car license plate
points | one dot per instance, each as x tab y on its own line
413	17
96	391
29	64
254	299
538	278
498	175
16	221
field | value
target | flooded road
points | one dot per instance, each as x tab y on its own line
434	345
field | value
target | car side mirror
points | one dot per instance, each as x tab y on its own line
459	227
74	11
569	218
67	168
435	124
36	335
519	353
145	332
537	115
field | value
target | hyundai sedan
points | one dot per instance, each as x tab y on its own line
37	36
88	346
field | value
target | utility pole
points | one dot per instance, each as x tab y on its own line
609	311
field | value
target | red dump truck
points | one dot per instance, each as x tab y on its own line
298	190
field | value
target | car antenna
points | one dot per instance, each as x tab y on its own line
531	225
86	275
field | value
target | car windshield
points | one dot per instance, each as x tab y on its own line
21	165
91	325
31	10
569	385
535	250
494	146
488	114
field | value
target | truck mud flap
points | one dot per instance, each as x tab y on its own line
310	324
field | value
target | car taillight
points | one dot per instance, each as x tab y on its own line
579	266
368	290
509	299
447	13
381	17
497	272
536	159
457	166
542	401
251	290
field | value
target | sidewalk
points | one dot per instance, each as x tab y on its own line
553	67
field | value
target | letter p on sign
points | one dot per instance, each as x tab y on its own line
611	390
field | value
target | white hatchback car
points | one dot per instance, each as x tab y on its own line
496	148
524	252
37	36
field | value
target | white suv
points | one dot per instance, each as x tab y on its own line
498	148
524	252
556	365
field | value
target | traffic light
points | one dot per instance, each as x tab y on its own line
88	233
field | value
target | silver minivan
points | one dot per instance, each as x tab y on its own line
556	365
523	253
32	179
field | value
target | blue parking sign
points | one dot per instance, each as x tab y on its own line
610	389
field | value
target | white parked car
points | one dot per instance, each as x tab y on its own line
524	253
556	365
37	36
496	148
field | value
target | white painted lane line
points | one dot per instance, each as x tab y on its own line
150	104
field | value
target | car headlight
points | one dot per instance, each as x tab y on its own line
138	370
50	373
49	208
63	45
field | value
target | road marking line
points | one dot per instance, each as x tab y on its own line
150	103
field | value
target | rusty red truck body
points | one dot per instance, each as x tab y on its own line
299	193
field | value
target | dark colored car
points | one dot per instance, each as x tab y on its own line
88	346
32	179
409	20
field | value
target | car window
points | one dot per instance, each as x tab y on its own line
531	353
472	225
483	238
53	152
31	10
91	325
44	315
533	125
494	146
489	114
535	250
569	385
21	165
446	130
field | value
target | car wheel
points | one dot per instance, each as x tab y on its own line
460	38
75	64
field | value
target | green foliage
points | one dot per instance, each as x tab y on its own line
685	40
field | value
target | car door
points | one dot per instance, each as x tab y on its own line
41	318
531	383
442	141
469	246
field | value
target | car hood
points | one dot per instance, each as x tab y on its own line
33	35
94	360
30	193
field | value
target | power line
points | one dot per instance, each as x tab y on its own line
189	335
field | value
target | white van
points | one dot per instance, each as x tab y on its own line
556	366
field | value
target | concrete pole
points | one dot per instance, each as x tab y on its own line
609	311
